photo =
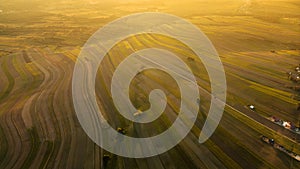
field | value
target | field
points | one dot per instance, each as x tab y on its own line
258	43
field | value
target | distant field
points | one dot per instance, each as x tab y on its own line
258	42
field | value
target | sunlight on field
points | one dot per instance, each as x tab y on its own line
258	42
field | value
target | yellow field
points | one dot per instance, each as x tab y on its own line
258	42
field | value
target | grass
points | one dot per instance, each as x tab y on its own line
48	154
11	80
32	69
225	159
18	68
35	144
3	145
275	93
